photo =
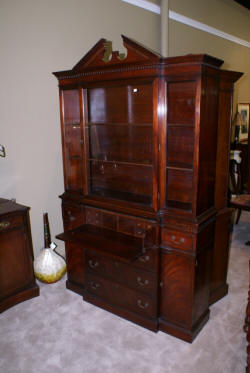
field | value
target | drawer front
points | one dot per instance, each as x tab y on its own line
93	216
126	274
176	239
73	216
120	223
148	261
126	225
120	295
10	222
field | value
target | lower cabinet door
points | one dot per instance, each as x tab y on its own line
185	287
16	269
177	288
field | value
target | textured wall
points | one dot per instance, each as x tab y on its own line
36	38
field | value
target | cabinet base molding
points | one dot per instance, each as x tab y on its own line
218	293
182	333
25	294
74	287
151	324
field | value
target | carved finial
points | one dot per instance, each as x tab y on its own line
109	54
107	51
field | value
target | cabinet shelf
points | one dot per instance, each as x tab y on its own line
75	157
181	125
72	123
180	167
128	124
123	196
114	162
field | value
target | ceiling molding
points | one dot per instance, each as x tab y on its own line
203	27
188	21
145	5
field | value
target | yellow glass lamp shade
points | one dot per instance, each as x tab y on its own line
49	267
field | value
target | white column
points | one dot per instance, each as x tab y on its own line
164	28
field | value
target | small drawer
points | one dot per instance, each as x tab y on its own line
73	217
176	239
93	217
139	232
109	221
10	222
126	225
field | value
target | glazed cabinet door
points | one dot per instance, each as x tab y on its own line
180	144
72	139
119	120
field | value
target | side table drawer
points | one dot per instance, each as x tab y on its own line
73	216
10	222
120	295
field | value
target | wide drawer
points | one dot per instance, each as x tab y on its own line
117	294
148	261
176	239
73	216
10	222
123	273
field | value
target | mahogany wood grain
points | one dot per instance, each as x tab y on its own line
75	266
220	253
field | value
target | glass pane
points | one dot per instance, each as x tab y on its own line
72	140
71	106
121	142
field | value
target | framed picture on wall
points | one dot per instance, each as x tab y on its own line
243	110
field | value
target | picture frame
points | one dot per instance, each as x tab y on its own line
243	110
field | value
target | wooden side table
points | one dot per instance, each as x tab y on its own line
17	280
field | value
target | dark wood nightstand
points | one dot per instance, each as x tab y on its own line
17	280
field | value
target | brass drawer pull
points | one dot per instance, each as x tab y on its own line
181	240
71	217
142	282
94	285
93	264
144	259
4	224
142	305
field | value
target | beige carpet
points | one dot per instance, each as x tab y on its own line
58	332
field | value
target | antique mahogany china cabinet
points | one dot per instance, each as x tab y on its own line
145	152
